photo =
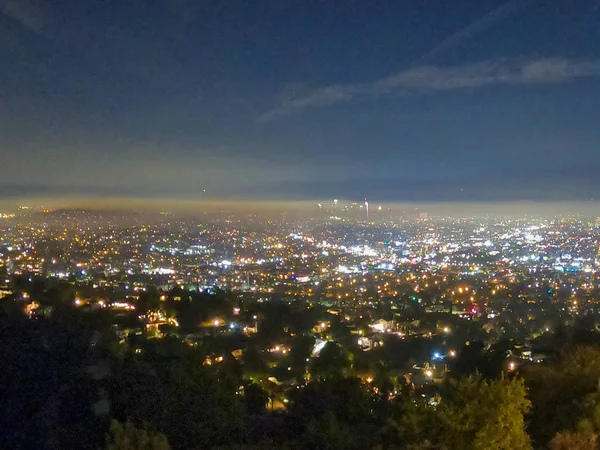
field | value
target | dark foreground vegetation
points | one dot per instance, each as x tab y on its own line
67	381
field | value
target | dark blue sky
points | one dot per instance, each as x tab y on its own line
397	101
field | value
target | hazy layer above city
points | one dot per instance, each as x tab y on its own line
313	208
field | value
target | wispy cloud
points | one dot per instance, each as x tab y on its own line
325	96
28	13
432	78
504	10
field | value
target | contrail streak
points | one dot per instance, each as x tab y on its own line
484	22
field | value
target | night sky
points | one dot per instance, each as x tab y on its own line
422	100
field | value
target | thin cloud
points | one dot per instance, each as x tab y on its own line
506	9
430	78
26	12
325	96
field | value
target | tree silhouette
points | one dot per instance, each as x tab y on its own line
332	361
256	399
476	414
128	437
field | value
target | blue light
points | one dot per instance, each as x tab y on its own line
437	356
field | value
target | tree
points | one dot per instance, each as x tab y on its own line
383	379
47	387
333	360
148	300
327	433
300	352
573	441
491	413
565	383
586	430
128	437
171	390
476	415
256	399
333	406
61	293
471	359
254	362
